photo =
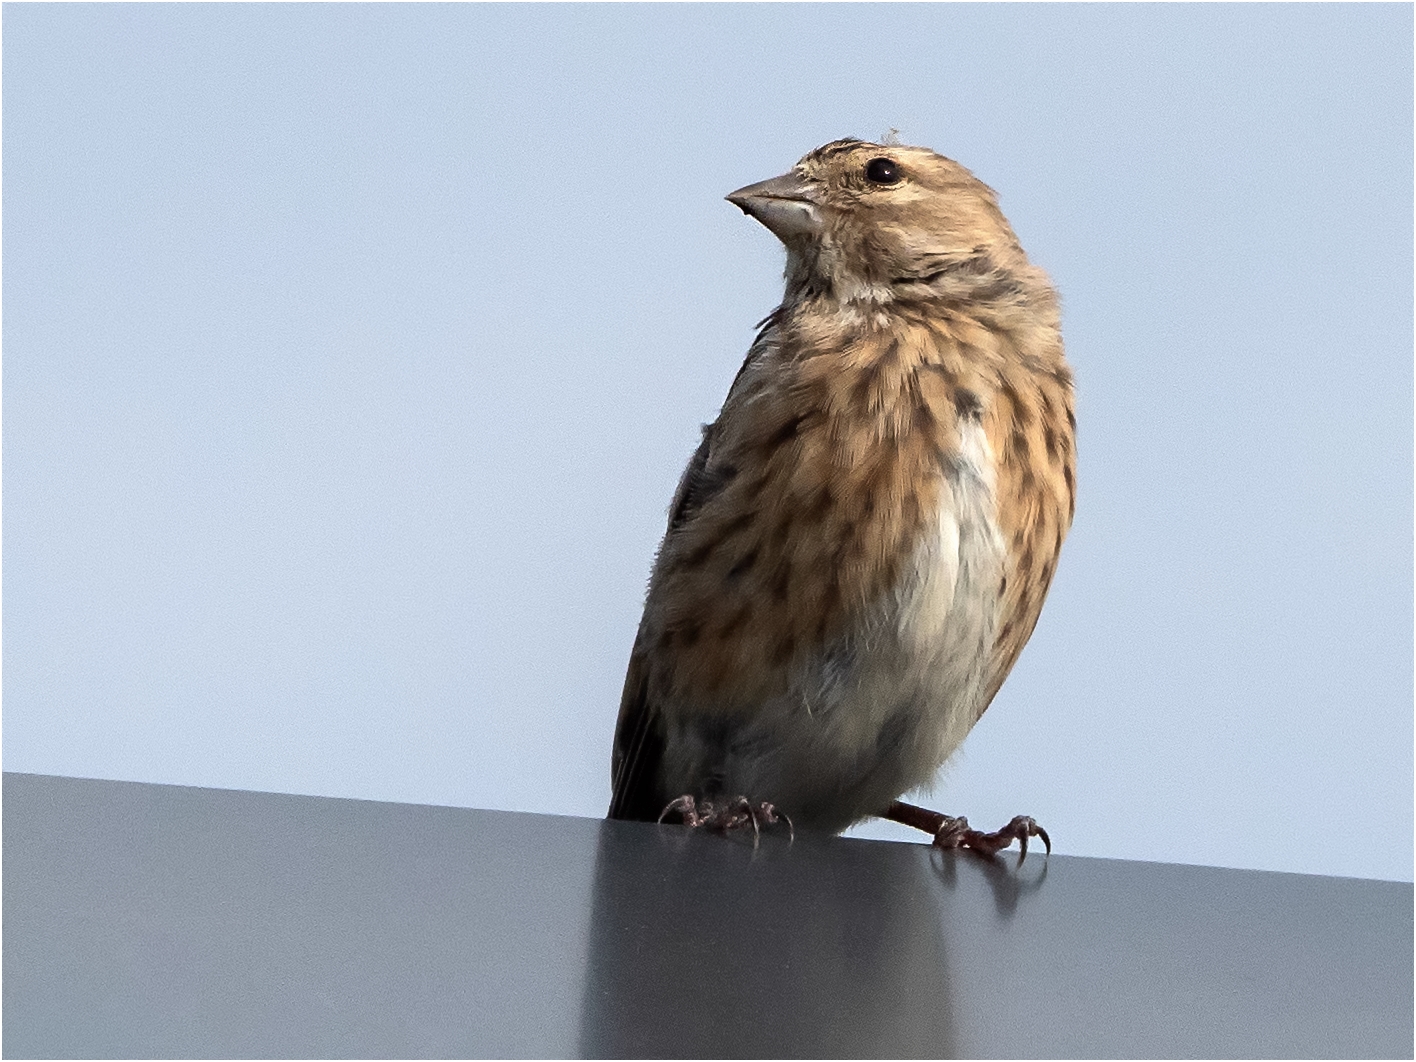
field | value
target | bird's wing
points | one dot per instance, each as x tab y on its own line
639	737
639	740
639	746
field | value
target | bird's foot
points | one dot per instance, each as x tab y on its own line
951	832
956	833
729	815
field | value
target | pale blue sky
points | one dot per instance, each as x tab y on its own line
351	355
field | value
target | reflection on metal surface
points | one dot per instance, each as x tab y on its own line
794	949
1009	880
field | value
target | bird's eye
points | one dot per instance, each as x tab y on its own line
882	171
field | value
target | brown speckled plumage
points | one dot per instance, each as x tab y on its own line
861	545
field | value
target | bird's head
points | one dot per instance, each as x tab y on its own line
879	223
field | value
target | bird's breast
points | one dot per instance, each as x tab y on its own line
922	653
853	492
949	590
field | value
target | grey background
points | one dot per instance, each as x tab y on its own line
351	355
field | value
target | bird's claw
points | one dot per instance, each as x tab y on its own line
956	833
727	816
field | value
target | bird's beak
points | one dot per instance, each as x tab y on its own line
789	205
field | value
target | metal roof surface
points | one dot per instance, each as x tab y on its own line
163	921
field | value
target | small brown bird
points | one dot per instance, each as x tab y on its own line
861	545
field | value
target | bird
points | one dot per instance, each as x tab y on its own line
861	544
